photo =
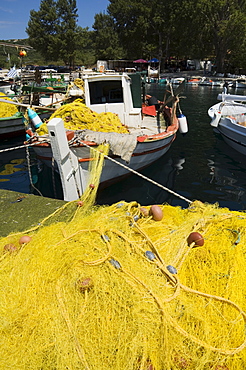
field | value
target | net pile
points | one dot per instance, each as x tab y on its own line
77	116
124	287
7	110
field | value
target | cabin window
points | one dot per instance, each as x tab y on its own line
102	92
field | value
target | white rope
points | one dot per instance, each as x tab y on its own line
21	146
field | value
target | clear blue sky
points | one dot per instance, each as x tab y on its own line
15	14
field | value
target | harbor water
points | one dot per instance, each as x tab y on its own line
198	166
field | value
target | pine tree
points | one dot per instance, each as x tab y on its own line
53	30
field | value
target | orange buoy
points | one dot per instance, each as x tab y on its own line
156	212
196	238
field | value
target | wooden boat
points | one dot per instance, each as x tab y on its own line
12	126
229	119
149	136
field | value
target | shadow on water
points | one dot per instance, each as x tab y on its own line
136	188
199	165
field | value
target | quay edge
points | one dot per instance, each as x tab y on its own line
20	212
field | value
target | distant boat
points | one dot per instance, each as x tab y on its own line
240	83
177	80
6	88
229	119
205	81
217	83
193	81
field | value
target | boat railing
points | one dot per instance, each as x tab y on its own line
229	97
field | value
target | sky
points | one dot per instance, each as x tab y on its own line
15	14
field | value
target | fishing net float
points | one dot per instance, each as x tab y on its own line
125	287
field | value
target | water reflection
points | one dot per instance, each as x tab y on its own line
163	172
228	175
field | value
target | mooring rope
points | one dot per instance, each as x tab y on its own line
142	176
21	146
116	162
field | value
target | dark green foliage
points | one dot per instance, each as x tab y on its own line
184	29
53	30
105	38
43	30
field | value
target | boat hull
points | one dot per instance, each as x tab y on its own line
233	134
115	168
14	126
229	118
11	127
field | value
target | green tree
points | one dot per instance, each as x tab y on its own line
184	28
213	28
105	38
162	30
227	24
67	31
53	30
43	30
146	29
131	21
85	55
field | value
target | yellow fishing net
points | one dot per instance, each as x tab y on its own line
113	288
6	109
77	116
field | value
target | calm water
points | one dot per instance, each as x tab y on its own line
199	165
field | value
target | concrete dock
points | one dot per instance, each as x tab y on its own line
20	212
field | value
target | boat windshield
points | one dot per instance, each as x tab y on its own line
102	92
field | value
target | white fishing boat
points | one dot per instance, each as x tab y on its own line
177	80
11	120
205	81
217	83
148	138
240	83
229	119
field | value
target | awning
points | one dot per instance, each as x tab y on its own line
140	61
153	60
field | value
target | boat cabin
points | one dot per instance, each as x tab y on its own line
114	93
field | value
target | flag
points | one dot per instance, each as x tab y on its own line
12	72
